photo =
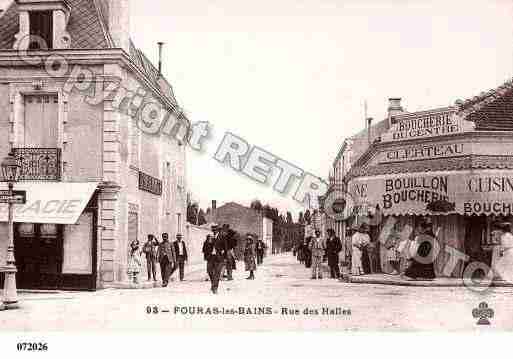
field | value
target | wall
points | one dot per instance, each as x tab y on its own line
194	237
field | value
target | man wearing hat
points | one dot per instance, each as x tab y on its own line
181	254
217	259
167	258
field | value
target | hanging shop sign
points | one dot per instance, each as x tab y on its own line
467	193
422	152
428	125
150	184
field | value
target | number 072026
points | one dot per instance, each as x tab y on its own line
32	347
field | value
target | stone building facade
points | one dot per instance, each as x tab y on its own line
72	88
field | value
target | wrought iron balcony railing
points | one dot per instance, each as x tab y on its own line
39	164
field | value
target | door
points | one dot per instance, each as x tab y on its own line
38	252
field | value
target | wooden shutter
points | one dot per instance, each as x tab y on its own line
133	226
41	121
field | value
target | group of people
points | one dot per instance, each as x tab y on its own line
218	252
317	249
170	256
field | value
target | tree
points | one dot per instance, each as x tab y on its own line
289	218
256	205
300	219
201	218
307	217
192	213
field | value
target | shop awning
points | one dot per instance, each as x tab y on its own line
474	192
58	203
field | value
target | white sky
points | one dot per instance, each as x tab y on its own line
291	75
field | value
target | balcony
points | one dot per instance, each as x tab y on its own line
39	164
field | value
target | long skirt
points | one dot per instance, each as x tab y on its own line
356	262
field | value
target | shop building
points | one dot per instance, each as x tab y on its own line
94	181
453	164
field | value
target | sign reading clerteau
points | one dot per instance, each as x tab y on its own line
150	184
422	152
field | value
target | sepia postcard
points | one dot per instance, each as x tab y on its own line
264	166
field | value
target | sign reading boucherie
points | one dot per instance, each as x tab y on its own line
473	193
428	125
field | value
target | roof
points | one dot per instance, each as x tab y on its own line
491	110
88	29
439	164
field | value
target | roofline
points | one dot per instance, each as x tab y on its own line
9	58
103	23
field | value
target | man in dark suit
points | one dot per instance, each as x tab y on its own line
167	258
260	249
181	254
229	235
333	248
217	259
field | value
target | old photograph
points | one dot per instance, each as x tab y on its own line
262	166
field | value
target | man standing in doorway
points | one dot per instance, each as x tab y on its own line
167	258
181	254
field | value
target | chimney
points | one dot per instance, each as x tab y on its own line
161	45
369	126
119	23
394	109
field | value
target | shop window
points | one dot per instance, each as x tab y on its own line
41	30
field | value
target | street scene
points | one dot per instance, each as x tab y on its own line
280	284
239	166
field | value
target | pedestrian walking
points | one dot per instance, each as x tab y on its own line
208	248
317	248
229	236
150	252
333	248
134	262
217	260
167	259
181	255
359	241
260	249
249	256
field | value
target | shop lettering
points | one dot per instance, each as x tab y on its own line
50	207
433	125
490	184
487	207
421	152
414	189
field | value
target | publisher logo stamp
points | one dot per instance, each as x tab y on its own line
484	313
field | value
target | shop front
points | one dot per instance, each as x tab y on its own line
55	236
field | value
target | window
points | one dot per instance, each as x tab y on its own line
41	121
41	30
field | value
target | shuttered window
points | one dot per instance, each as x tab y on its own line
133	226
41	121
41	28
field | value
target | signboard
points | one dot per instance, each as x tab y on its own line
423	152
55	202
150	184
463	192
18	197
426	125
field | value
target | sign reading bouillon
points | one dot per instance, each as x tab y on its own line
423	126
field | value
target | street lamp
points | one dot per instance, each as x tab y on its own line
10	174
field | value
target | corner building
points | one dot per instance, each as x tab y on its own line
94	180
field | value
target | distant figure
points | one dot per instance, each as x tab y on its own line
359	241
249	256
134	262
150	251
167	259
317	248
181	254
260	249
333	248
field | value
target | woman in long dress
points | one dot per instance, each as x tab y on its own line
359	240
249	256
422	264
502	259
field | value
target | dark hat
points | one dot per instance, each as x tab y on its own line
503	226
214	226
179	235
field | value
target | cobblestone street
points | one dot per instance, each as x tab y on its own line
282	285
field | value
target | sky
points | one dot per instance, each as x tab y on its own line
291	76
